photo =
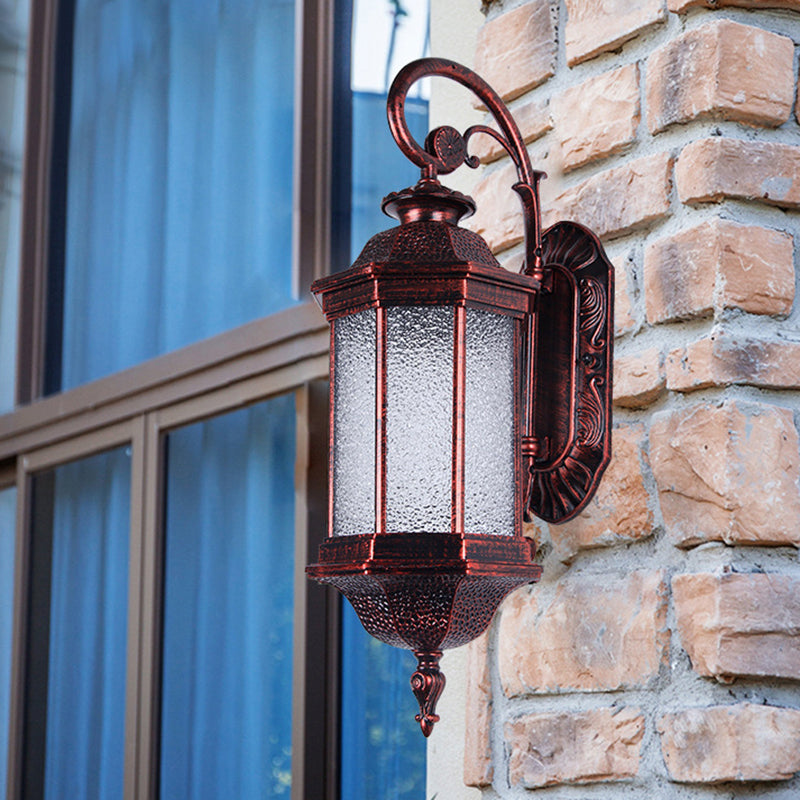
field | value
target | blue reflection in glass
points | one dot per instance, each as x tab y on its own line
179	184
226	712
8	501
88	629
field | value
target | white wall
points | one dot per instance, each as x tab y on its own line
454	29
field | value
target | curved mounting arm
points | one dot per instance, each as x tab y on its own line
566	425
446	149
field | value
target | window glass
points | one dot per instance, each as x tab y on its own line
226	714
178	181
383	749
376	38
8	500
75	740
13	68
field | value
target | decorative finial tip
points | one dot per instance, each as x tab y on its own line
427	683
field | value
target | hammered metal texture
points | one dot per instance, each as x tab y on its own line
421	606
426	242
425	612
368	598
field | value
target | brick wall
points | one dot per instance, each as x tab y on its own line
659	657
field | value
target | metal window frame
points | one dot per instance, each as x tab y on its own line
138	407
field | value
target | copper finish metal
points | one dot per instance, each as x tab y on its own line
380	421
459	397
438	589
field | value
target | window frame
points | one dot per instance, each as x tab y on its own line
139	406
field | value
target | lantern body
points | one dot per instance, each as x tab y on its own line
425	496
457	387
425	388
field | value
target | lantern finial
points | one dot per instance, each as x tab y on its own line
427	683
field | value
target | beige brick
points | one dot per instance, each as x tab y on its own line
739	624
715	265
478	768
498	215
517	50
598	117
722	70
624	321
619	512
597	26
727	473
533	120
742	742
547	749
679	6
723	359
639	379
619	200
598	633
710	170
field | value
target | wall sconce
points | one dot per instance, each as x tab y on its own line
463	397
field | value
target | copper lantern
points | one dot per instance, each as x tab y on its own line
464	398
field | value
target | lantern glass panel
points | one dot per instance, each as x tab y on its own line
354	424
489	424
419	418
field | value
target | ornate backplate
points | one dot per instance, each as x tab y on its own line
572	373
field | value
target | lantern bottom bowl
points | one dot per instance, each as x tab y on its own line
425	591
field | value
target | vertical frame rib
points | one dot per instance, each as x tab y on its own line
35	233
521	392
150	464
315	669
312	142
459	400
331	426
380	420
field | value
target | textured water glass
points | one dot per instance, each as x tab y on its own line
354	424
419	435
489	424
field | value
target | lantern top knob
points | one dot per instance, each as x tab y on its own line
427	201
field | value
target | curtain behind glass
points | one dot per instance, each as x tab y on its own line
383	750
8	502
13	71
88	627
179	186
227	663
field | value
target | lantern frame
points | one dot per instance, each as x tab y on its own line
431	590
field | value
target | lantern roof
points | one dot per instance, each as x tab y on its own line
426	260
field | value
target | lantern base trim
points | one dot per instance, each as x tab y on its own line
426	592
427	683
463	553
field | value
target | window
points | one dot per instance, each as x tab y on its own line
164	463
161	223
79	554
8	501
226	674
13	63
